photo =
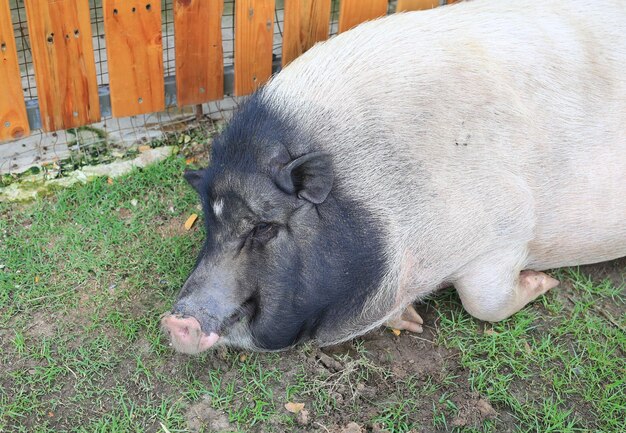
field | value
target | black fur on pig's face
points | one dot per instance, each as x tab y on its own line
288	256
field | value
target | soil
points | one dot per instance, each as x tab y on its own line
406	356
360	391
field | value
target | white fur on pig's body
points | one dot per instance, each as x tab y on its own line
486	138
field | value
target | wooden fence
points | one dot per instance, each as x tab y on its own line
60	35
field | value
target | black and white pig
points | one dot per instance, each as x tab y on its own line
472	145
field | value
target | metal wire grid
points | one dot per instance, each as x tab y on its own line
99	47
334	17
20	26
228	32
167	17
279	20
99	41
50	146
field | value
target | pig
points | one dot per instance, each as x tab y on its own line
474	146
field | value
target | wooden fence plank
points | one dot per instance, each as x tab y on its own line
65	70
416	5
254	32
306	22
199	54
354	12
134	55
13	120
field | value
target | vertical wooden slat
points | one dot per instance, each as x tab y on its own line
134	56
13	120
254	32
354	12
306	22
199	54
65	70
416	5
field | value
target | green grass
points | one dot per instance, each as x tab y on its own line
86	272
571	363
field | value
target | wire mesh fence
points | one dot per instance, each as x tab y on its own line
117	137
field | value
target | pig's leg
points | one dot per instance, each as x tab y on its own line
495	292
409	320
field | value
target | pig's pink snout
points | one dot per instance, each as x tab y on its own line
186	334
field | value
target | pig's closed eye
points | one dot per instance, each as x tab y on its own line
263	232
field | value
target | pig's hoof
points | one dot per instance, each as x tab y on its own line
534	283
408	320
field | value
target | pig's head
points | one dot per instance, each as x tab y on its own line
288	255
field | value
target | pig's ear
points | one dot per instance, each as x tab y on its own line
310	177
194	177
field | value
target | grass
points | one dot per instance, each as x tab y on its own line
571	362
86	273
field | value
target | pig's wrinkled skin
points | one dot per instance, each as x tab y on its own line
472	145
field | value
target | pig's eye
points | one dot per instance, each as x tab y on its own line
263	232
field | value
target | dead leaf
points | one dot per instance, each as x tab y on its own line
243	357
490	332
143	148
109	181
303	417
192	219
527	347
352	428
395	331
485	408
294	407
329	362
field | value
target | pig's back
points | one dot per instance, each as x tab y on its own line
476	125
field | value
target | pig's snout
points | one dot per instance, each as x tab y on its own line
186	334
